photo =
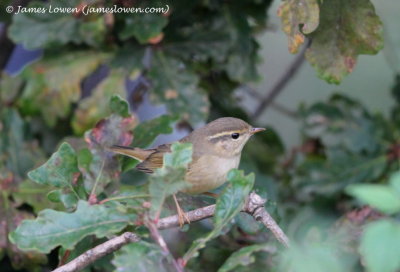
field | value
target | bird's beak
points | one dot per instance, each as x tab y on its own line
255	130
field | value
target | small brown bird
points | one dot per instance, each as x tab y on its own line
217	148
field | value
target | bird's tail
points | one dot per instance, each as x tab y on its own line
133	152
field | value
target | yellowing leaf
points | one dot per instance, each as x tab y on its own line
295	14
54	83
347	29
95	107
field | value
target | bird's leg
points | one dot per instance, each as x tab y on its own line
181	214
214	195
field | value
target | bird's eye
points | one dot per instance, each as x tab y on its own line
235	136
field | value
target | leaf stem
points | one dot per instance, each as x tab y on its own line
93	192
123	197
73	190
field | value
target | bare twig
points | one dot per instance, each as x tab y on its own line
279	86
97	252
155	234
195	215
274	105
254	206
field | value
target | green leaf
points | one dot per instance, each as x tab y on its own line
312	256
60	170
47	84
18	152
395	182
143	27
10	217
382	197
139	257
242	257
169	179
84	158
317	176
42	29
68	198
380	246
233	197
52	228
395	89
131	196
119	106
342	121
177	86
229	204
145	133
210	41
346	30
97	106
10	87
295	14
130	58
344	146
242	60
32	193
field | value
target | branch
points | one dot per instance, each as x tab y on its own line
279	86
195	215
274	105
155	234
97	252
254	206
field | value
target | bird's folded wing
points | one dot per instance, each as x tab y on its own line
155	160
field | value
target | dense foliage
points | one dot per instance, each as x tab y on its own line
67	193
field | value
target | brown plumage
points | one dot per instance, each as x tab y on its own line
216	150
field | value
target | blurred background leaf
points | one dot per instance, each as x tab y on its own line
145	79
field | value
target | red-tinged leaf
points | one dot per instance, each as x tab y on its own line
347	29
102	167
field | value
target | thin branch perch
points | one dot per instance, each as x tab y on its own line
97	252
254	206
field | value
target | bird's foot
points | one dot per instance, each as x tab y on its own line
182	217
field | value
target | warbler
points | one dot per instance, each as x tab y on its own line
217	148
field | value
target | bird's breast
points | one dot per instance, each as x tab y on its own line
209	172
